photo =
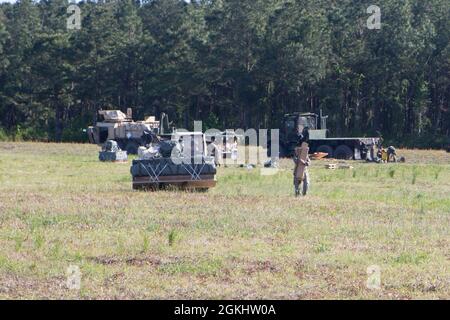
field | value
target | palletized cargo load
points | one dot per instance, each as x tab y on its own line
109	156
112	153
167	167
179	159
158	173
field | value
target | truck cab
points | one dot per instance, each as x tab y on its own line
296	124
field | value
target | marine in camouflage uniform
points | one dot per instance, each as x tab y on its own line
297	172
214	151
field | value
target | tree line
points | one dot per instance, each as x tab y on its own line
230	63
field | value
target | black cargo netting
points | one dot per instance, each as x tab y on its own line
161	167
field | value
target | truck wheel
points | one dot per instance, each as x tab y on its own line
326	149
343	152
132	147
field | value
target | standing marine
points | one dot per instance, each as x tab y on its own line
214	151
302	162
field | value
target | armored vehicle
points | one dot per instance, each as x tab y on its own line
120	127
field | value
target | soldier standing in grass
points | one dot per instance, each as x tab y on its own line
214	151
301	173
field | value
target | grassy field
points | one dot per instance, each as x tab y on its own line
246	238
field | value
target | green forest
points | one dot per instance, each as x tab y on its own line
231	63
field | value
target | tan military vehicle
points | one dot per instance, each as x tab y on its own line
120	127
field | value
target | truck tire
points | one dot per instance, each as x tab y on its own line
132	147
326	149
343	152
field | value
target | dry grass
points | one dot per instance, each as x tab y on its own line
247	238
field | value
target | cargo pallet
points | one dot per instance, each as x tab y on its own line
201	182
161	173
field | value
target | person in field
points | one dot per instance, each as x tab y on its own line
301	173
214	151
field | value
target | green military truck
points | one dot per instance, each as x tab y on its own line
296	124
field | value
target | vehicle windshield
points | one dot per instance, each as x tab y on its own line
306	122
290	125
